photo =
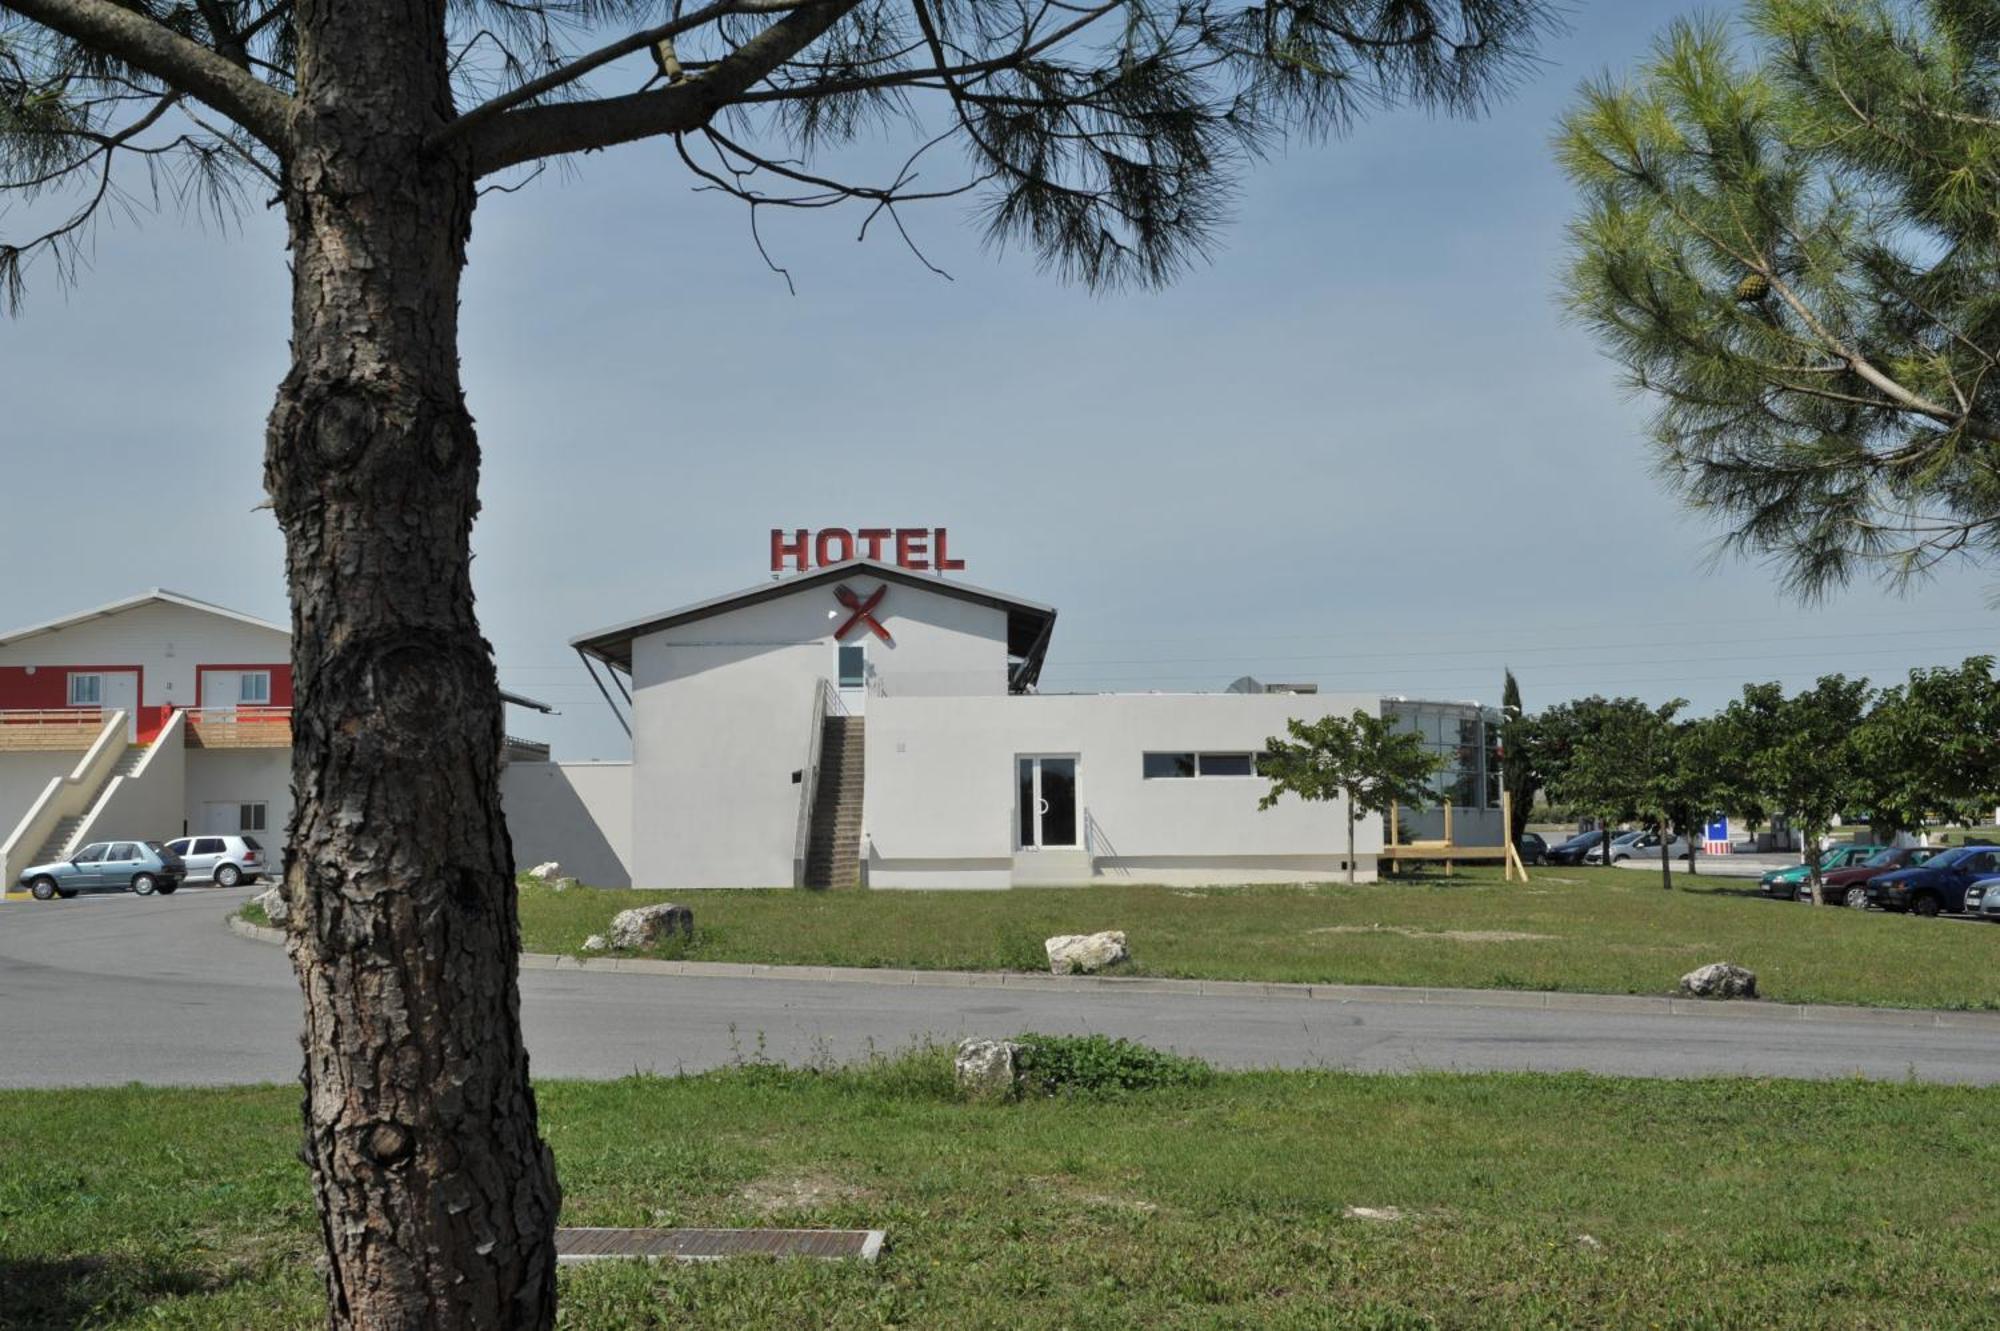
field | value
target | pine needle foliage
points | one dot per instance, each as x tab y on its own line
1789	236
1106	137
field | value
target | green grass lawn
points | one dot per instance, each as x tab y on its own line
1584	930
1525	1201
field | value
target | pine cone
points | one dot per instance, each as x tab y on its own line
1753	288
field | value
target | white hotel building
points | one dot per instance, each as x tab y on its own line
858	723
871	723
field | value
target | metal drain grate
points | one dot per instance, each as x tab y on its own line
707	1245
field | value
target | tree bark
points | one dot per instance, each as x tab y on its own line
436	1193
1666	855
1350	841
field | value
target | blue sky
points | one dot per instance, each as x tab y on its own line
1360	447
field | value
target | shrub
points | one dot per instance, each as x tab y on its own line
1101	1065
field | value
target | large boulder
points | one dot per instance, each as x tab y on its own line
644	926
1085	954
1720	979
546	870
276	909
987	1069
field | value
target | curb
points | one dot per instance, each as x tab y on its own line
1658	1005
255	932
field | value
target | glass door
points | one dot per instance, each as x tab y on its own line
1046	796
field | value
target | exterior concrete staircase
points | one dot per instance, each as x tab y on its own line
833	845
63	839
58	844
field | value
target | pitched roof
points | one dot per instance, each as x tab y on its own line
161	596
158	594
1028	623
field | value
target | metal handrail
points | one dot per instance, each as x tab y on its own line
40	716
826	702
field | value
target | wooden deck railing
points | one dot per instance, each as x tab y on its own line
239	728
49	729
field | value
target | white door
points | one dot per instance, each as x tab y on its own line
121	690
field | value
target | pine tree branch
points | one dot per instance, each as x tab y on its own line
180	63
604	55
531	132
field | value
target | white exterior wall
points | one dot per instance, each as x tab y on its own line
578	814
941	802
165	640
241	776
146	804
722	718
23	778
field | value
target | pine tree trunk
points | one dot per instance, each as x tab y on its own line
437	1196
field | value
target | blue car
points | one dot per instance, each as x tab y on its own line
1936	885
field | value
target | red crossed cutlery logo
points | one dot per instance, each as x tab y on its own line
864	612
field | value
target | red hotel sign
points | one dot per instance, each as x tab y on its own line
927	548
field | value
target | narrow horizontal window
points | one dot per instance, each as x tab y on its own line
1225	764
1163	765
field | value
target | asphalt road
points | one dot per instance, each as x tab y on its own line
111	989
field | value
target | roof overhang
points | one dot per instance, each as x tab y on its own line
1029	624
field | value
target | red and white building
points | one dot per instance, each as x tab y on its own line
153	717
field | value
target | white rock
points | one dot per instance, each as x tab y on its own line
987	1069
1380	1214
595	943
1085	954
647	925
546	870
562	884
276	909
1721	979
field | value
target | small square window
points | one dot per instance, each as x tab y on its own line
853	665
255	687
1160	766
250	817
86	690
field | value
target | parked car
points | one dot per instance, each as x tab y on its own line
1532	848
1573	850
1643	844
1849	886
222	860
1982	900
1784	882
1936	885
144	867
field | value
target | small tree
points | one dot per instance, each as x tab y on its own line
1363	760
1686	777
1517	758
1810	773
1596	754
1931	749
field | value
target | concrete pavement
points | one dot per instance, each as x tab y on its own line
109	989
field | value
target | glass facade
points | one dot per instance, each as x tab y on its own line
1466	738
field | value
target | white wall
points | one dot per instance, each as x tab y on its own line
722	718
579	814
23	778
168	641
941	802
145	804
240	776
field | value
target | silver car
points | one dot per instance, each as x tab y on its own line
222	860
1982	900
144	867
